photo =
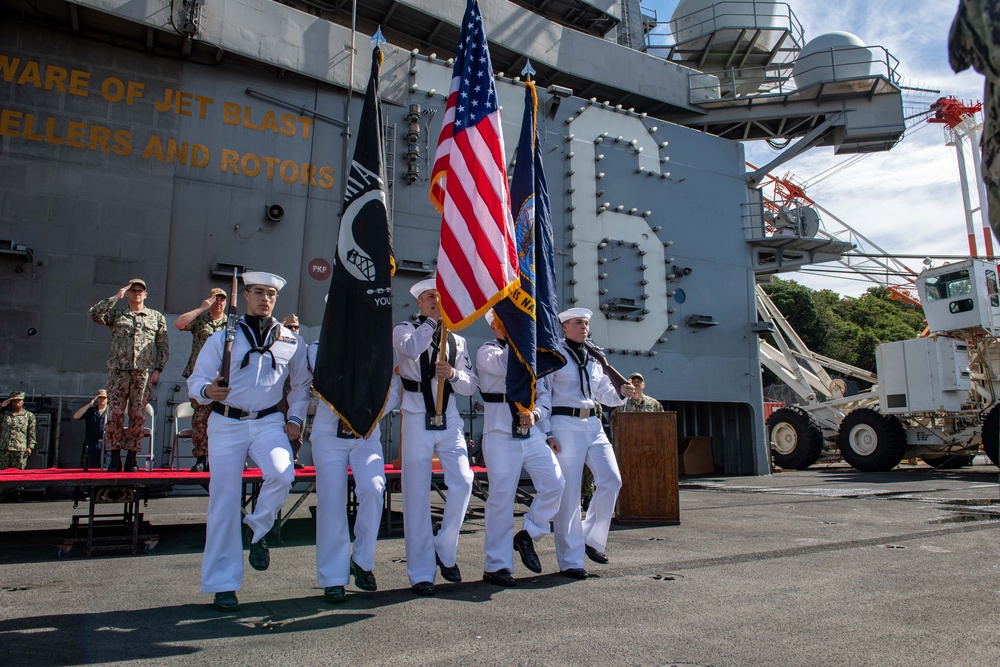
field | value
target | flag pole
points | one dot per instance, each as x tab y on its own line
443	356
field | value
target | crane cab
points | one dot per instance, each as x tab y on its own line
961	298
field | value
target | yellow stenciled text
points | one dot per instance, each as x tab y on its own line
76	134
250	164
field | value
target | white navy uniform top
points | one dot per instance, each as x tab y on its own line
581	386
260	384
410	340
326	417
491	366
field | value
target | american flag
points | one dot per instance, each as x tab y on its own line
477	260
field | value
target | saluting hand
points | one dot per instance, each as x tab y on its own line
216	392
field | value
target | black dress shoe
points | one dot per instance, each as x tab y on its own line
226	601
525	546
595	555
574	573
363	579
500	578
200	465
452	574
423	588
130	463
334	594
260	555
115	465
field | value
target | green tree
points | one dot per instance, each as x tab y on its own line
847	329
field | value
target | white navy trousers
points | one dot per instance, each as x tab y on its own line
231	440
418	448
583	441
505	456
331	456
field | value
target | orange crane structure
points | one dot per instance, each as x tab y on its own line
963	125
867	258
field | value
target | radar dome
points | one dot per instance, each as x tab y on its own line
834	56
729	21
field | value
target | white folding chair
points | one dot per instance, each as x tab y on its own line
149	431
181	432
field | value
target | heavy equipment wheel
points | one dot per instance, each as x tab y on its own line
991	435
948	461
795	437
871	442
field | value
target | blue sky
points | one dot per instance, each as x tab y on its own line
907	200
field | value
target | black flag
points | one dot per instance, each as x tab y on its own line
354	359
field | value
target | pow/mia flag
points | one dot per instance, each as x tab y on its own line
354	358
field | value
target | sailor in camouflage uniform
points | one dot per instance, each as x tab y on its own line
139	351
975	42
17	432
639	402
202	322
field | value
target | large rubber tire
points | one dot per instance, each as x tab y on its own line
795	438
991	435
871	442
948	461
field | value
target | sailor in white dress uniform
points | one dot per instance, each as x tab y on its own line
246	420
420	370
507	447
576	389
334	447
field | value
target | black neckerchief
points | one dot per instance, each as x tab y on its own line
261	333
581	358
502	342
427	371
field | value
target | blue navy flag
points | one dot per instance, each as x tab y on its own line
354	358
529	315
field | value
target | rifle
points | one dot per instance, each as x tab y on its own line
227	352
617	379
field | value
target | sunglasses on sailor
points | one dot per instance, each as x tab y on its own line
293	327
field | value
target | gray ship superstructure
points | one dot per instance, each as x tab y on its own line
175	141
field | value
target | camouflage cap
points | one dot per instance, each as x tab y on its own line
217	292
102	393
137	281
17	395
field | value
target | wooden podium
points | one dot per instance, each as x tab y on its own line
646	448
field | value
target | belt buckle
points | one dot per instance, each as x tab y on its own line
247	416
585	412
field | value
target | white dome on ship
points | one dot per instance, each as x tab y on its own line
833	56
694	19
